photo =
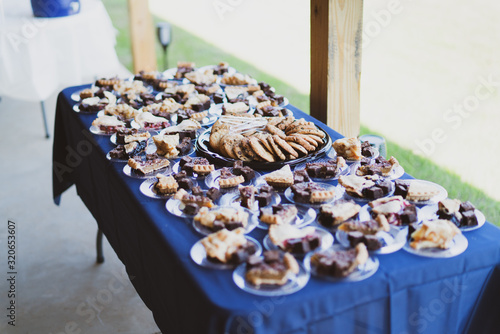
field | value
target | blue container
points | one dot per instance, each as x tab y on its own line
55	8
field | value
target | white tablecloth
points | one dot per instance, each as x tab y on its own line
39	56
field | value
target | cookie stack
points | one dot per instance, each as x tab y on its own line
267	139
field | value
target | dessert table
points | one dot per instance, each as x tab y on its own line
408	293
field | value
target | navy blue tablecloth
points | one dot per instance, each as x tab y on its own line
408	294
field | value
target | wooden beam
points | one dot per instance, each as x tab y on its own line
336	29
142	36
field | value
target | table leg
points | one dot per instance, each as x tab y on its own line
100	256
42	104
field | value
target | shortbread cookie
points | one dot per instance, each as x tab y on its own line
285	146
260	150
275	131
299	140
277	151
298	148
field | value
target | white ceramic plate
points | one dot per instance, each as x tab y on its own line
252	223
305	216
363	271
325	236
294	283
289	195
394	240
458	246
199	255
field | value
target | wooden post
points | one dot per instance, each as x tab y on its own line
142	36
336	29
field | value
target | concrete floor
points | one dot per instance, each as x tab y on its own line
59	287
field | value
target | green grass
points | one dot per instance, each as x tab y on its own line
185	46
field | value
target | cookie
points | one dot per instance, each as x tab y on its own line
217	134
260	150
299	140
263	140
298	148
247	150
275	120
314	132
285	146
238	151
276	150
229	142
309	140
285	123
275	131
316	138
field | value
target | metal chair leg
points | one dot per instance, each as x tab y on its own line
100	256
42	104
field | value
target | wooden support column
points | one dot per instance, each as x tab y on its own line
142	36
336	29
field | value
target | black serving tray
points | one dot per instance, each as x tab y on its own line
204	149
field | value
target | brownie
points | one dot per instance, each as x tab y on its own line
279	99
303	245
213	193
118	153
233	225
218	98
185	160
367	150
201	106
179	176
184	146
373	192
243	253
466	206
197	191
468	219
185	183
264	198
122	133
191	209
401	188
266	189
247	196
409	215
300	176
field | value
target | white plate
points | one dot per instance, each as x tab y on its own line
252	223
176	169
429	212
343	171
363	271
434	200
305	216
289	196
127	170
147	188
361	199
212	180
294	284
76	108
149	150
365	214
234	198
152	145
325	236
175	207
136	125
458	246
394	240
396	172
199	255
332	154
